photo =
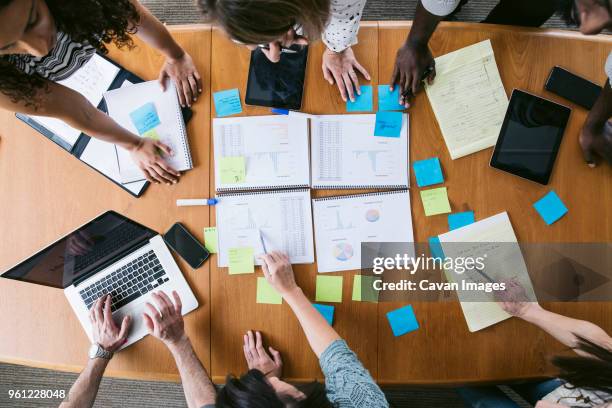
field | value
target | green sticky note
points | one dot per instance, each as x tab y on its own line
151	134
241	261
329	289
266	293
435	201
363	289
232	170
210	239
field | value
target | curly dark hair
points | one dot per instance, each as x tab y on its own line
98	22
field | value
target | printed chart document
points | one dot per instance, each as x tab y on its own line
468	99
346	154
492	238
284	218
343	223
91	81
274	149
144	109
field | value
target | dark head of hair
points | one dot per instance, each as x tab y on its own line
592	372
98	22
253	391
264	21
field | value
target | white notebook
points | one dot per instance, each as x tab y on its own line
468	99
343	223
347	155
284	218
494	237
274	148
166	116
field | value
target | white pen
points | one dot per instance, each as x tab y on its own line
186	202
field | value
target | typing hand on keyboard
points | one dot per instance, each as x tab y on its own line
106	333
164	320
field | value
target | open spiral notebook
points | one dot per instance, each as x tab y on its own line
297	151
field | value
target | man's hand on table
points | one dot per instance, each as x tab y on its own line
596	141
411	62
106	333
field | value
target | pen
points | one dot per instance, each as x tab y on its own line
186	202
283	49
263	244
484	275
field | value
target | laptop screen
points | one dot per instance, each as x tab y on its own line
81	252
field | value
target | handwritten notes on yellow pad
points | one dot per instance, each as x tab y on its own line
329	289
266	293
241	260
232	169
211	240
435	201
468	99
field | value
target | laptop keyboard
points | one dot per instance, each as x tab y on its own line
127	283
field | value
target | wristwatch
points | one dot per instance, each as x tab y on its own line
96	351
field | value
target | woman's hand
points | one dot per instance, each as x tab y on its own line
105	331
514	300
411	62
186	78
596	141
257	358
278	272
273	53
147	156
340	67
166	321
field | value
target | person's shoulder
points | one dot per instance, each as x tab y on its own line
440	7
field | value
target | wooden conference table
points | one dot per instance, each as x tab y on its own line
45	194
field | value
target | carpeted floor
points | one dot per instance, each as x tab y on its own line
115	393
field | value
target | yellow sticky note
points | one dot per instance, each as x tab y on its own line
266	293
151	134
232	170
435	201
363	289
329	289
210	239
241	260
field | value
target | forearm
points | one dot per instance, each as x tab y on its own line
566	329
602	110
423	26
155	34
83	392
198	388
318	332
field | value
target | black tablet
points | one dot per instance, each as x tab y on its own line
277	85
530	137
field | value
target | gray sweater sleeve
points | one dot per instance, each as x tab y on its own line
348	384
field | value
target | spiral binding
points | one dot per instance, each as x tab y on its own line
184	137
263	192
378	193
225	190
364	186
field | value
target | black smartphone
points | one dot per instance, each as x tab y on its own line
186	245
572	87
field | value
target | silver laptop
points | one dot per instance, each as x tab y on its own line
109	255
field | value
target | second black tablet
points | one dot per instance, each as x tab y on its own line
530	137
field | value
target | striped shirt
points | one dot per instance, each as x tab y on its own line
61	62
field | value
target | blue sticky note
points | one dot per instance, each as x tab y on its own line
389	100
227	102
388	124
402	320
435	248
428	172
145	118
363	102
458	220
550	207
327	311
279	111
